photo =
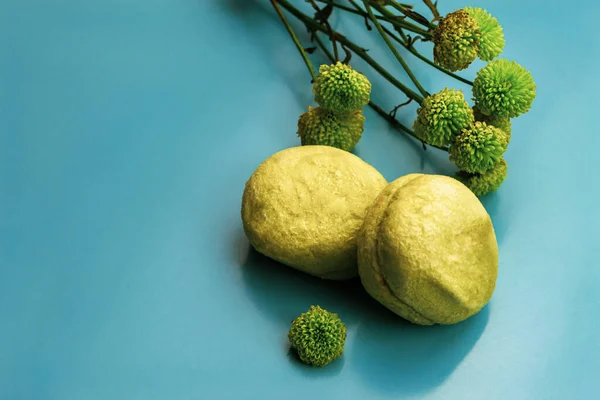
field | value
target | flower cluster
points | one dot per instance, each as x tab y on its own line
476	137
341	92
318	336
476	132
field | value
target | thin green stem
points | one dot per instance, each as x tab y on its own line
343	7
433	8
409	13
398	22
396	124
391	18
394	50
312	25
323	47
391	120
295	39
404	43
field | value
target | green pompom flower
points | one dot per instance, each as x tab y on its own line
321	127
442	116
504	89
456	41
478	148
499	122
492	37
318	336
341	89
489	181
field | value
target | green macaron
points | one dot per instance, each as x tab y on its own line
427	250
304	206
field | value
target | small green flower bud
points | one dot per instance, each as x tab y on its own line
341	89
504	89
478	148
456	41
318	336
489	181
442	116
492	37
321	127
499	122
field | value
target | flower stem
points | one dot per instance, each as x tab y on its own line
391	120
288	27
433	8
410	14
312	25
396	124
324	48
404	43
393	49
391	18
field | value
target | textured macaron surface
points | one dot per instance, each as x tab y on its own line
304	206
428	251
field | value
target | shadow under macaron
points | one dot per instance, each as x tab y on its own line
499	214
281	293
396	357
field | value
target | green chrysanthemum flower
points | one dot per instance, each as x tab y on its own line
322	127
478	148
499	122
442	116
489	181
456	41
492	37
318	336
504	89
341	89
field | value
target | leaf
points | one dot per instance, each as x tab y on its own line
417	17
310	50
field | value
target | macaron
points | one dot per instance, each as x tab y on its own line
305	205
427	250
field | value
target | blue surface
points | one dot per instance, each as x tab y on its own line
127	131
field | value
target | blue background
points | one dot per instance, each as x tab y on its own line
127	131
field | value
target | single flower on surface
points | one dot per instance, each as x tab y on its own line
318	336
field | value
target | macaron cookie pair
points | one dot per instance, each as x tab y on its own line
427	250
305	205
